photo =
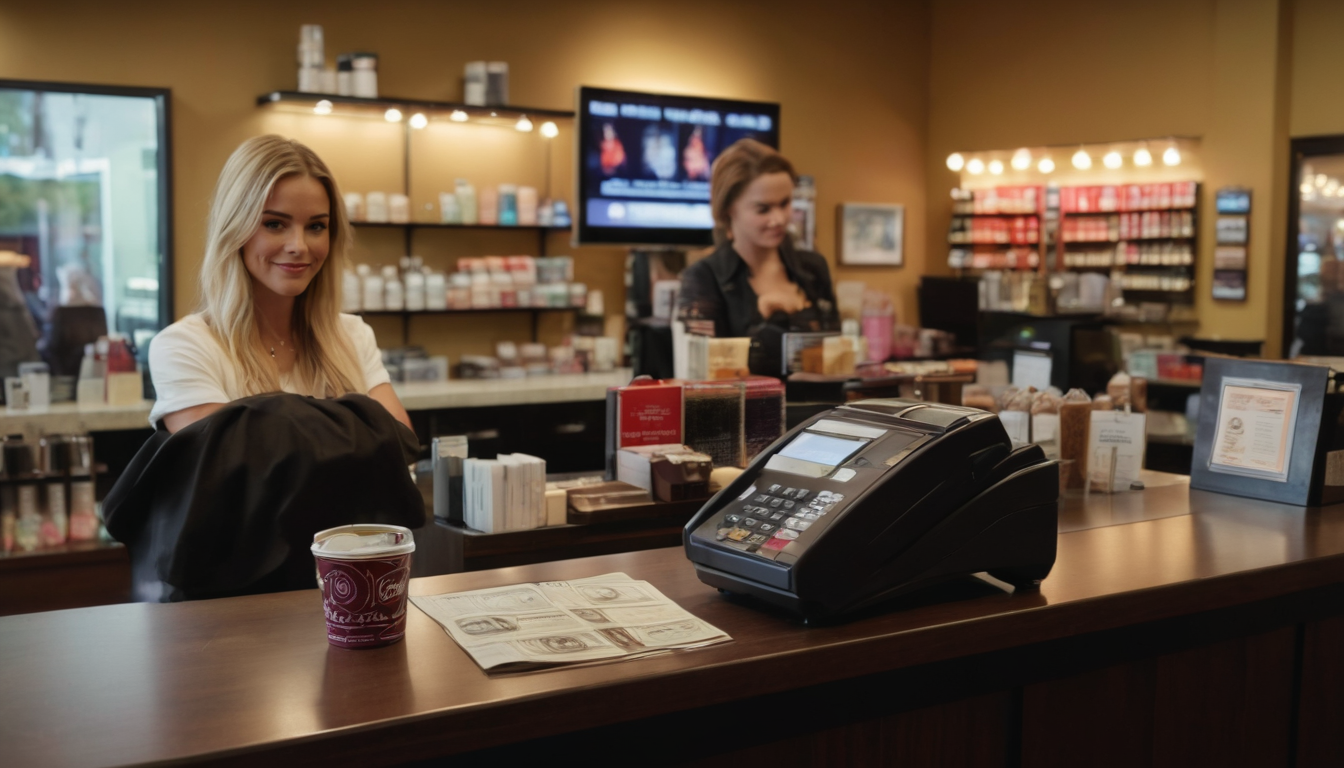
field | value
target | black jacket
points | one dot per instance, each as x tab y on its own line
229	504
716	288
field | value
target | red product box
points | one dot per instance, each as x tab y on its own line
644	412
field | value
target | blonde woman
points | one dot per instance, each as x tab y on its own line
268	319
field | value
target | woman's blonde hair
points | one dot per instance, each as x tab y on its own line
326	362
735	168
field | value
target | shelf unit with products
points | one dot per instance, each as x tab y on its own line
996	228
1145	235
424	207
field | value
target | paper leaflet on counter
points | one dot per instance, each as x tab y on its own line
1116	442
601	618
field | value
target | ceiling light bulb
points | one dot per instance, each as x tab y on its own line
392	115
1172	156
1081	160
322	107
418	120
1305	188
1142	157
975	166
996	167
1112	160
458	116
524	125
1022	159
1046	165
1320	180
550	130
955	162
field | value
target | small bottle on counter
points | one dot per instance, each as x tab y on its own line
1075	420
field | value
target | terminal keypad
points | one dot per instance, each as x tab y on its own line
772	519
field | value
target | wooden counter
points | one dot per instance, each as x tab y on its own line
1178	627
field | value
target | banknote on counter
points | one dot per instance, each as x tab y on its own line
551	623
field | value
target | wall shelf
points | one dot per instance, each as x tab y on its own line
406	314
354	104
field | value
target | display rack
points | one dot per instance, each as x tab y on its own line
407	314
1144	235
330	105
996	228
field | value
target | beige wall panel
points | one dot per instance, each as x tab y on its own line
852	78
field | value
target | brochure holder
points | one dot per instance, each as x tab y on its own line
1270	430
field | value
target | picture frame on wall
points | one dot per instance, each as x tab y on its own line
871	234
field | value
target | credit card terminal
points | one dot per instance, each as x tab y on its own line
877	498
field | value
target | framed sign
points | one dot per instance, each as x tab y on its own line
1253	435
1267	431
872	234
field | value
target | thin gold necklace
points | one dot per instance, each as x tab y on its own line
267	323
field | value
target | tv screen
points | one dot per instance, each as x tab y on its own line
644	163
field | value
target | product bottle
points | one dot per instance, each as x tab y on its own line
83	515
488	211
508	205
449	212
527	206
466	202
394	295
415	288
349	291
373	288
436	291
55	466
375	207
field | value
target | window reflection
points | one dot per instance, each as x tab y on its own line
83	219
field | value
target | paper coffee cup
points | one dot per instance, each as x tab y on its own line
363	572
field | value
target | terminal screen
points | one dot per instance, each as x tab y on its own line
821	449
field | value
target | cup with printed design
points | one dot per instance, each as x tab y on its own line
363	572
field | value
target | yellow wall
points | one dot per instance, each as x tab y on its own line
1045	72
852	80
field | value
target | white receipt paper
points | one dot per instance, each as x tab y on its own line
1255	429
551	623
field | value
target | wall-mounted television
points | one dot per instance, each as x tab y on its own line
644	163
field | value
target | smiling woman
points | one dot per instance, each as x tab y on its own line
269	319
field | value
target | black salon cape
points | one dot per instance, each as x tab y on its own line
229	504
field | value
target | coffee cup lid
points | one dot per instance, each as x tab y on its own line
363	542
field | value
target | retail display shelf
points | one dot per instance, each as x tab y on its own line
995	215
1182	383
1127	210
474	311
1128	240
500	111
439	225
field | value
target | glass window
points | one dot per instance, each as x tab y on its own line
85	220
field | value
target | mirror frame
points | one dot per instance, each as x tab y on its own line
163	101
